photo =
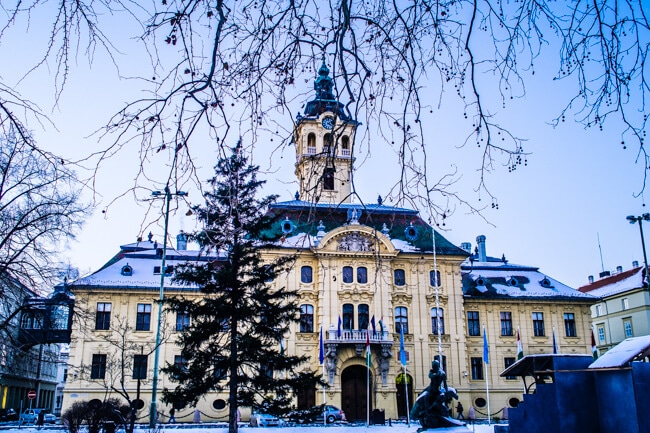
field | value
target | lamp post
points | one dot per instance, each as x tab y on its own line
632	219
153	412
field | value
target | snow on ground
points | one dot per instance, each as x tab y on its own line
222	428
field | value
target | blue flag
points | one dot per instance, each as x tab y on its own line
486	349
321	354
338	330
372	323
554	342
402	352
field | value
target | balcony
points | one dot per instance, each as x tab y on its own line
352	336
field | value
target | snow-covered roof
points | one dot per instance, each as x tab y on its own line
615	284
136	270
497	278
624	352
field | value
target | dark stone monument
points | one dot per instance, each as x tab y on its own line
431	407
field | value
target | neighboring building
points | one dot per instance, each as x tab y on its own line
363	273
501	298
61	378
624	307
23	367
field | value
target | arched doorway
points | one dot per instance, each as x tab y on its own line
354	384
404	385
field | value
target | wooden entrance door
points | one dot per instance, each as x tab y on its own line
402	392
354	382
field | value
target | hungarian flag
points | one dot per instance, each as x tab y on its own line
368	357
594	351
520	349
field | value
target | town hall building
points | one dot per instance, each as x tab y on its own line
364	273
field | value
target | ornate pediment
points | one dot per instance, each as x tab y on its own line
356	242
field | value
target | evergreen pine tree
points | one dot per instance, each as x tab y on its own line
233	342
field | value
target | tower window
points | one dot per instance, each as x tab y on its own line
311	144
328	179
345	146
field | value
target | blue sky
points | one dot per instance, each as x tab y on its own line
578	183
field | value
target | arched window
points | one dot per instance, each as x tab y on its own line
363	316
327	144
362	275
311	144
399	277
434	278
437	318
401	320
348	316
347	274
345	146
306	275
306	318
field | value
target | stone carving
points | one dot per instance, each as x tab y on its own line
384	363
431	407
331	359
354	242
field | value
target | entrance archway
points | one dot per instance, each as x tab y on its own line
354	386
404	384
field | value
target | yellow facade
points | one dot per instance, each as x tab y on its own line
357	265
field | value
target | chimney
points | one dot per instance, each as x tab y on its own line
635	264
467	246
590	278
619	269
181	241
480	243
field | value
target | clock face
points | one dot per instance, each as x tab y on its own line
328	123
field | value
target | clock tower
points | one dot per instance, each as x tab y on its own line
324	139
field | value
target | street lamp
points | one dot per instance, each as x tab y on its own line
153	412
632	219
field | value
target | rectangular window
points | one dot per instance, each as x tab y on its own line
143	317
601	334
306	274
437	318
473	324
306	318
599	310
180	363
347	274
98	367
506	323
434	278
182	320
570	325
103	316
401	320
477	368
507	362
362	275
140	366
348	316
399	277
625	304
627	327
538	324
363	316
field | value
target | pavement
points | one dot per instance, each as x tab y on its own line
396	427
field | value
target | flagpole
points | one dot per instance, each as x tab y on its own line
368	361
486	359
402	359
321	359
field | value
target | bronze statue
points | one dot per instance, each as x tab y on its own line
431	407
